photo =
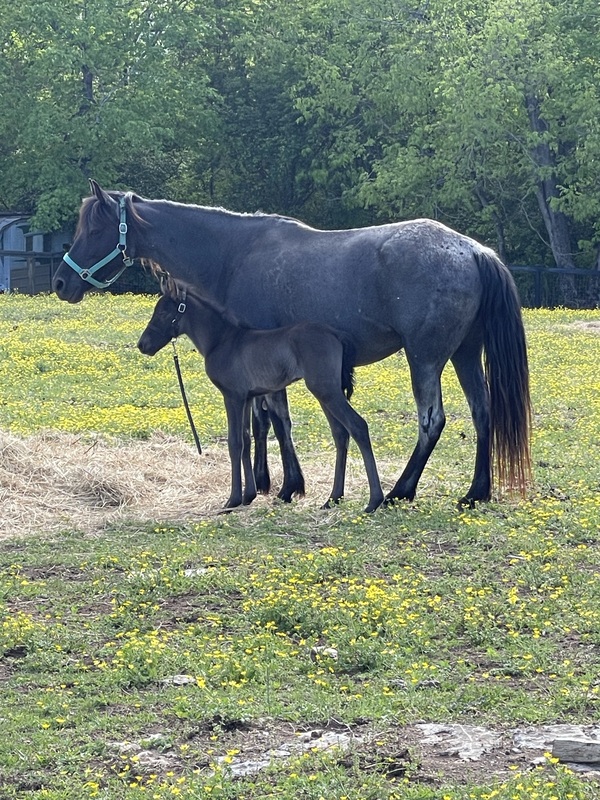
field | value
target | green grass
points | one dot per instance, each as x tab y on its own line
488	617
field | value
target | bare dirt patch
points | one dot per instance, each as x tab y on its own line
589	326
59	481
434	754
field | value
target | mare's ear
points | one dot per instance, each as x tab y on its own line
100	194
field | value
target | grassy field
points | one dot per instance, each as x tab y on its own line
286	651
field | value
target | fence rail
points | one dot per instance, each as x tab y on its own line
549	287
31	272
539	287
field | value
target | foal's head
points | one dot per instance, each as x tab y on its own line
165	322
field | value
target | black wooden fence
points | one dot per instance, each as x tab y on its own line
539	287
546	287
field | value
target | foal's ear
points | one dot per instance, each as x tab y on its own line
99	193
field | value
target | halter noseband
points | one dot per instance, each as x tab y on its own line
121	248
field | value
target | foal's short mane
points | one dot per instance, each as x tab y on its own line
177	290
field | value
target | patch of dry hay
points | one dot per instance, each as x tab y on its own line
58	481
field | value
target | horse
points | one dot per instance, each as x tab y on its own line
415	285
245	362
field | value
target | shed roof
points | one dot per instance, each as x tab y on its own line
6	222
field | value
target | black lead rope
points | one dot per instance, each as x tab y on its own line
185	402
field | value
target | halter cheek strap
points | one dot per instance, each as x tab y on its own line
180	309
87	273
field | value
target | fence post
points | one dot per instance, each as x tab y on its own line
537	284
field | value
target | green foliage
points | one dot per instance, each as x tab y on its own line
484	115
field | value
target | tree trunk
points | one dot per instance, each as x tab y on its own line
87	78
500	237
557	223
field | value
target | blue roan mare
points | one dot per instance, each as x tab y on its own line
416	285
244	362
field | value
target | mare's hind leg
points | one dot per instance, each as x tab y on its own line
467	363
261	423
427	390
293	479
341	438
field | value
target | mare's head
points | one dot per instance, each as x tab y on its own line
98	254
165	322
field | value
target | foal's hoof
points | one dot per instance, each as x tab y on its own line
230	505
393	500
248	498
374	506
332	502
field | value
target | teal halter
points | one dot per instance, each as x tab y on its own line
87	273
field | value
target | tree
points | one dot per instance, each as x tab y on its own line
96	88
511	100
484	114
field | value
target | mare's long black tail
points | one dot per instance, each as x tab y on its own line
507	374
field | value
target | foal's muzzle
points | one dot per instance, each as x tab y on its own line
147	346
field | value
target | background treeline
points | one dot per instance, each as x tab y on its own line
484	114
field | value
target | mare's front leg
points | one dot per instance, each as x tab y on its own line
249	483
236	427
293	479
428	394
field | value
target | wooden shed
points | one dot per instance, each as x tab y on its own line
27	258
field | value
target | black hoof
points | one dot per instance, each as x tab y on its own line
285	497
374	505
332	502
263	483
465	502
394	499
230	505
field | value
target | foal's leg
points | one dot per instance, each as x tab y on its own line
427	390
293	479
261	423
236	427
467	363
335	404
249	483
340	437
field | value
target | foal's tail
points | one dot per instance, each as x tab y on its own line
348	362
507	373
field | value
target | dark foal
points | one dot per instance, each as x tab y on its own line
245	362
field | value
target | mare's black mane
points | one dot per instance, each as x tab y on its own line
91	208
178	291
